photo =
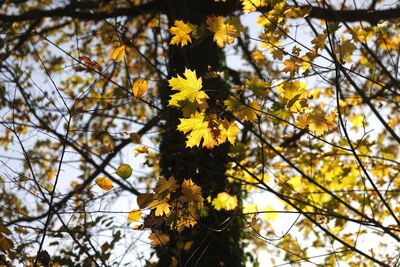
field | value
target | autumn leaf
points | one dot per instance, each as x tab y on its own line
135	138
189	89
139	87
124	171
252	5
191	191
225	201
161	207
141	150
4	229
143	200
270	213
104	183
158	238
317	124
248	112
228	131
166	185
135	215
223	32
107	143
291	66
198	131
181	33
118	53
6	243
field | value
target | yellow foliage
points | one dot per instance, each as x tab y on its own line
118	53
104	183
181	33
158	238
134	215
189	89
223	32
225	201
252	5
139	87
199	131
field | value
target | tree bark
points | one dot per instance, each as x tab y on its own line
205	167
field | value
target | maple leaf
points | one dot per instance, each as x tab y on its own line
223	32
357	120
296	95
250	210
166	185
199	130
278	54
104	183
252	5
346	49
139	87
291	66
248	112
134	215
118	53
162	207
270	213
189	89
228	131
143	200
318	123
181	33
191	191
302	121
225	201
158	238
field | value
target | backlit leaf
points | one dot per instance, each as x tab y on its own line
124	171
104	183
181	33
118	53
134	215
139	87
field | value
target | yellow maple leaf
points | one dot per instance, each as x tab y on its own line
158	238
318	123
189	89
166	185
191	191
118	53
291	66
104	183
357	120
181	33
270	213
302	121
139	87
225	201
223	32
248	112
252	5
250	210
134	215
198	130
295	94
228	131
162	207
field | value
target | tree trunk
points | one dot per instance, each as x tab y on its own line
205	167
